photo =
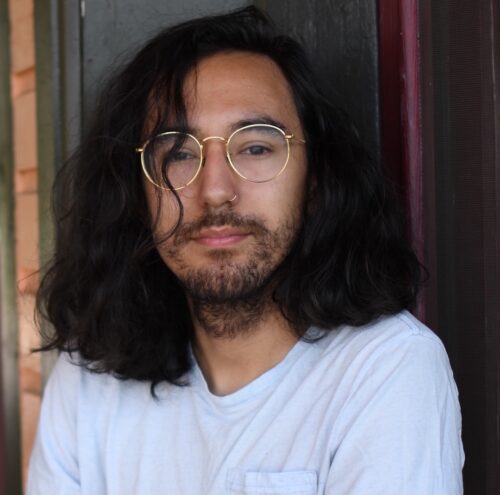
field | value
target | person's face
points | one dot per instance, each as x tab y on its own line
234	233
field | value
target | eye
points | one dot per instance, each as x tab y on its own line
181	155
256	150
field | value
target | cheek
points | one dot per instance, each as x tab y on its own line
163	209
292	191
280	204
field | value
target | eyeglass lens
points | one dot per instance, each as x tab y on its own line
257	153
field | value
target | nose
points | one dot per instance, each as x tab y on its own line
217	183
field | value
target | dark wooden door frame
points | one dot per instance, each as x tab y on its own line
413	116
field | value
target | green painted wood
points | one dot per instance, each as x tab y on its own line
66	47
59	112
114	30
48	105
11	485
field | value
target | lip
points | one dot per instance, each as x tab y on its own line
220	237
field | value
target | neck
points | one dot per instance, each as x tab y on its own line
237	341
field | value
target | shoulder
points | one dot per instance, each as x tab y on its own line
69	372
390	336
391	353
397	398
401	327
392	374
404	342
65	376
73	381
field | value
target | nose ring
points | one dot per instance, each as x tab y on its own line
235	196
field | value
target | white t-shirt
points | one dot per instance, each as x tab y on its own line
363	411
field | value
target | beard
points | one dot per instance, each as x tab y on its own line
229	297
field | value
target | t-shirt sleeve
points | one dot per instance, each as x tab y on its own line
54	463
401	427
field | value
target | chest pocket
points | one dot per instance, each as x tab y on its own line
278	483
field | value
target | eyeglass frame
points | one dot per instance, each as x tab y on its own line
288	138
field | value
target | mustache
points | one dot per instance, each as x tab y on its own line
226	218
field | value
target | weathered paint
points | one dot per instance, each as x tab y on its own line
342	39
400	110
10	483
114	30
49	132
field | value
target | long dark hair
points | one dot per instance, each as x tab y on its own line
109	295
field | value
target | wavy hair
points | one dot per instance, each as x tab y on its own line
108	294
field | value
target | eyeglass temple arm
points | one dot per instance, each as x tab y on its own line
292	136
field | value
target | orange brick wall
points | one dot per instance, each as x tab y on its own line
23	88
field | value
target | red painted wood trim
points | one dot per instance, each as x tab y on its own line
400	109
411	119
3	458
390	88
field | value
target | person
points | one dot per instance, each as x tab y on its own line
230	291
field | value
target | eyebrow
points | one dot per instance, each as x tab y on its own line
250	120
258	119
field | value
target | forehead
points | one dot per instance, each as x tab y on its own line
233	86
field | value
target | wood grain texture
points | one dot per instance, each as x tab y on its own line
412	128
461	58
342	38
50	128
400	111
10	454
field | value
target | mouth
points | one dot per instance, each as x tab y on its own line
220	237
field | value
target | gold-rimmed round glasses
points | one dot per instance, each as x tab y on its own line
257	152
